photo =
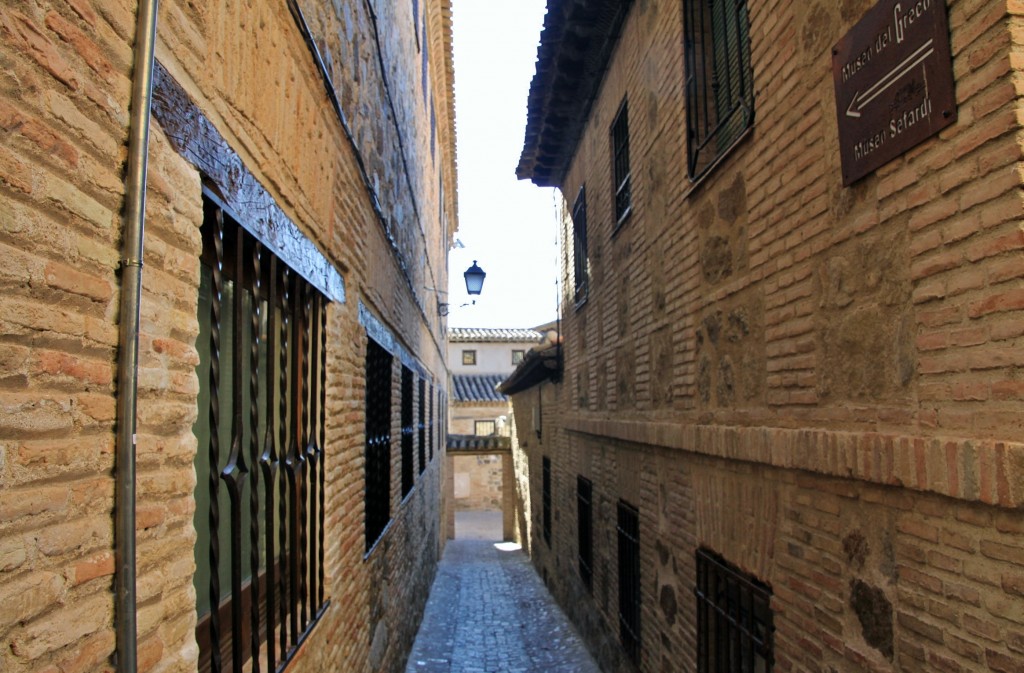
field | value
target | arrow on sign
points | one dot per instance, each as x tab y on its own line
893	76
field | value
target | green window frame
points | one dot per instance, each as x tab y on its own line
719	80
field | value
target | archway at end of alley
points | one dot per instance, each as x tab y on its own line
469	445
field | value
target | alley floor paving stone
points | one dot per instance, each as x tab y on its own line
489	612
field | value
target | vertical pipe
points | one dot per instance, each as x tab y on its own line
127	362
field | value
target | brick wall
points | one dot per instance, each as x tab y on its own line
942	574
465	415
815	381
63	113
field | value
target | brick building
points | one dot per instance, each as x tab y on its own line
787	435
291	367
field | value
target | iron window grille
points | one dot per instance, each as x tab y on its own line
581	264
620	165
469	357
734	618
433	422
421	427
585	530
442	418
629	579
517	356
484	428
719	80
546	497
378	441
260	462
408	468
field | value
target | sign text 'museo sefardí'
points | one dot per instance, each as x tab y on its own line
893	79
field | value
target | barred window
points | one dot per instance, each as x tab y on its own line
378	441
546	497
517	356
433	422
408	470
622	191
734	618
442	420
719	80
483	428
629	579
260	471
585	529
581	263
469	357
421	427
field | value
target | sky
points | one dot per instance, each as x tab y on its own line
509	227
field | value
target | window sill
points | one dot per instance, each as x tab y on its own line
695	183
622	220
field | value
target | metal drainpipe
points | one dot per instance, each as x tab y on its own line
128	360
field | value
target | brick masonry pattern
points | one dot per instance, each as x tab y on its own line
63	113
818	382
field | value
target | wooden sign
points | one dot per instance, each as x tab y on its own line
893	77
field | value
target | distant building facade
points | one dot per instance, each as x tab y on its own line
292	370
787	432
480	358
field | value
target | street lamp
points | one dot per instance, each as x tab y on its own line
474	279
474	276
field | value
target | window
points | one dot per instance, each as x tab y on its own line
581	264
469	357
629	579
585	530
432	421
734	618
623	196
260	470
547	500
517	356
407	432
378	441
442	420
483	428
421	427
538	414
719	80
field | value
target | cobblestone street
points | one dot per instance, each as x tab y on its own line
489	612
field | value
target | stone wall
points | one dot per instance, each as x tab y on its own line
478	483
63	111
817	382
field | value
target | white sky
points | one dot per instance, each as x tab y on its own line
509	226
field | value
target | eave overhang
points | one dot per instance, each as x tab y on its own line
536	368
575	45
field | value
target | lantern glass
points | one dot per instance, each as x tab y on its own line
474	279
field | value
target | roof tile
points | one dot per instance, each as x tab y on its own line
466	334
477	388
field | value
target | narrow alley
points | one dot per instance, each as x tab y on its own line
745	381
489	611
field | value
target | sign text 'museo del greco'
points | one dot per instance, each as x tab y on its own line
894	83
